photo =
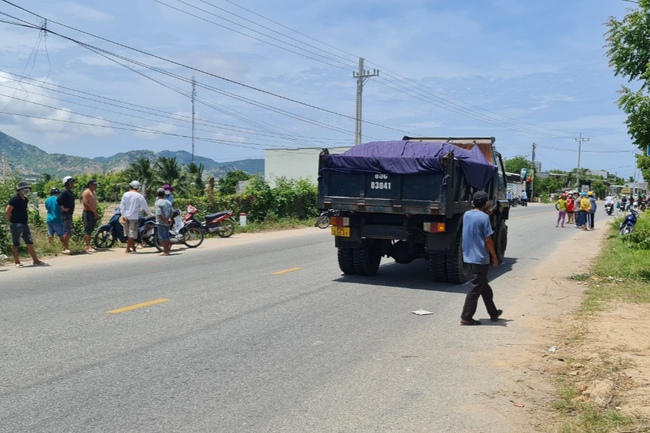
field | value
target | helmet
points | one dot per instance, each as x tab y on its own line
583	194
67	180
55	191
590	193
135	184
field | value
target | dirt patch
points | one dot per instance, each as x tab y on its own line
606	355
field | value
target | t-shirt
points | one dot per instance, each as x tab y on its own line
53	210
66	199
569	204
163	210
585	205
561	204
592	204
476	227
19	211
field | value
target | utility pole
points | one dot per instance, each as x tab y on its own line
361	77
193	97
532	179
580	140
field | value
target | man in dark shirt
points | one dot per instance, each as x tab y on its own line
16	213
66	203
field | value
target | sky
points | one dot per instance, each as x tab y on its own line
109	77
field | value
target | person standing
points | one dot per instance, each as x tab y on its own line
53	219
132	203
509	197
478	252
524	198
66	203
585	205
168	192
570	207
16	213
163	211
592	209
89	215
561	206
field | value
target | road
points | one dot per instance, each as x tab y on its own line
256	336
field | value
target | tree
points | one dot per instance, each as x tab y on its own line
514	165
141	171
167	170
629	56
228	183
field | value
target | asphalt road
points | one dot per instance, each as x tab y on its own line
264	336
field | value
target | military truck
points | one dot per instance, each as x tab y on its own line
405	199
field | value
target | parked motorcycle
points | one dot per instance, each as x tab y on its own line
323	220
110	233
609	208
221	223
627	226
186	230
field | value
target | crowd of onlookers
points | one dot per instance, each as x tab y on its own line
60	206
580	208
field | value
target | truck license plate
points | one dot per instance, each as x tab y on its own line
341	231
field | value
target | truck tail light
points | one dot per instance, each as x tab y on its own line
434	227
339	221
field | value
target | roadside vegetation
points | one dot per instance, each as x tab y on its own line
620	274
287	204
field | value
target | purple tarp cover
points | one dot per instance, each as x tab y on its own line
411	157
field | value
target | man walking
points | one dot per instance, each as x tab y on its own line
131	205
89	215
478	252
66	203
16	213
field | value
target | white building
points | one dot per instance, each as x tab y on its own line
294	163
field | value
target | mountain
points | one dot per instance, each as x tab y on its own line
29	160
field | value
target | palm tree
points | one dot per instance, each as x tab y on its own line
141	171
167	170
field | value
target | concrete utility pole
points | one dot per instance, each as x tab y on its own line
193	97
580	140
532	179
361	77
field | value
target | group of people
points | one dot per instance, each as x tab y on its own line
60	206
578	209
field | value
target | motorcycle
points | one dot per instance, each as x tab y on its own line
221	223
609	208
627	226
186	230
110	233
323	220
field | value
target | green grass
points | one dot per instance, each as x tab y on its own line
620	273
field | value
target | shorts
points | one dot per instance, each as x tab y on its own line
19	230
89	221
55	227
163	232
130	227
67	223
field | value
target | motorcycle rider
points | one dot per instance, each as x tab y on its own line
131	205
609	204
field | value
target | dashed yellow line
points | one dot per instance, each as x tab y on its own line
136	306
285	271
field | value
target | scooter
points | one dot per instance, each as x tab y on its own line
110	233
221	223
609	208
186	230
627	226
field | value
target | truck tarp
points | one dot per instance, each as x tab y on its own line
411	157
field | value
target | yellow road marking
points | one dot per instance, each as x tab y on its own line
136	306
285	271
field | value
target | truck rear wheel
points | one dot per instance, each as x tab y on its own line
501	241
455	267
346	261
366	261
438	267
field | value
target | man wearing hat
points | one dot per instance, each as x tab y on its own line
66	203
89	215
478	252
16	213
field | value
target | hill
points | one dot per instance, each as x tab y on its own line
28	160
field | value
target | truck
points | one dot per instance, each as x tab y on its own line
405	199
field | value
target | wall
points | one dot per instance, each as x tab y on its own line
294	163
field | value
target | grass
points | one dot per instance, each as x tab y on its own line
620	273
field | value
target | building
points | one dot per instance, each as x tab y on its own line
295	164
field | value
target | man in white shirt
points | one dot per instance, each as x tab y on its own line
131	205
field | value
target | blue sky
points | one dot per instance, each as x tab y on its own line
279	74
